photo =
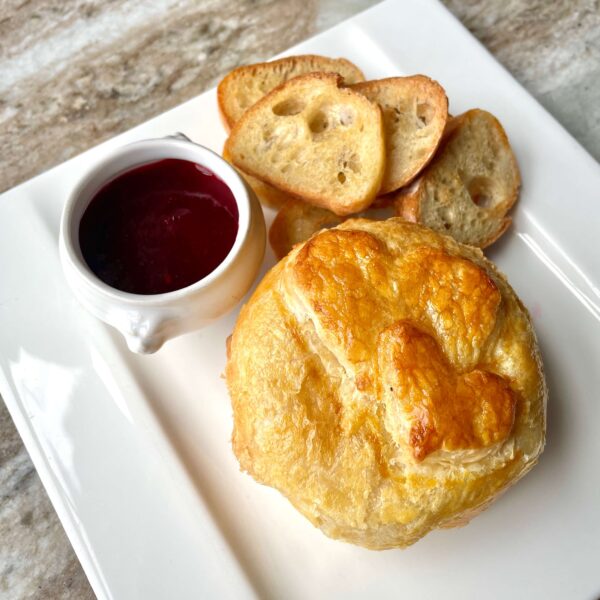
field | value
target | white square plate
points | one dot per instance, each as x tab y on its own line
135	453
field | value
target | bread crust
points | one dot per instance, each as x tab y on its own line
332	373
296	65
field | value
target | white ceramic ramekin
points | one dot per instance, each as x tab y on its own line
147	321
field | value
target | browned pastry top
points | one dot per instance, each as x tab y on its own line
387	380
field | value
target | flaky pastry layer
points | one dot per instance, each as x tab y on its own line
387	380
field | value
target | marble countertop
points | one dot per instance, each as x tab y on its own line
75	72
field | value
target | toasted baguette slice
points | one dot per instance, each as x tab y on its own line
296	221
415	111
314	139
244	86
469	186
267	194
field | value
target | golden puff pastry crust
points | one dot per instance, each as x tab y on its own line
387	380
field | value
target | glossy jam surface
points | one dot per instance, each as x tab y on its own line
159	227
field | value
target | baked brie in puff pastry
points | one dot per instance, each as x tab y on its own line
387	380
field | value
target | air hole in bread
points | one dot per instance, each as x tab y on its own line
341	177
349	160
319	122
424	113
346	116
354	163
289	107
481	190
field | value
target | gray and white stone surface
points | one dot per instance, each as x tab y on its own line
75	72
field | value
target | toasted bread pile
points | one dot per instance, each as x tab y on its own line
317	142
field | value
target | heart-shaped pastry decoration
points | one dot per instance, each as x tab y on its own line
429	405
